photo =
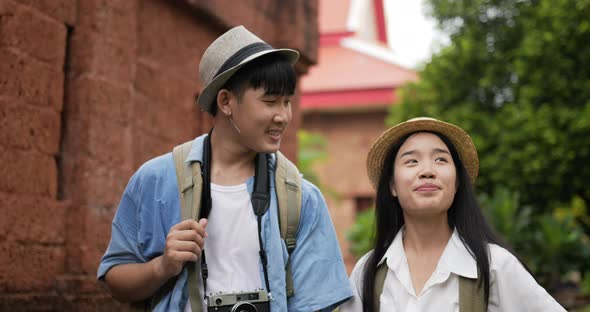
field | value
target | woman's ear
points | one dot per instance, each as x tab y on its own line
392	188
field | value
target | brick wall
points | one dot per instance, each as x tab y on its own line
349	136
89	90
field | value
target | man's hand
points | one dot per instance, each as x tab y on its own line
184	242
137	281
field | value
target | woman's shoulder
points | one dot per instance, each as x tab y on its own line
502	259
360	264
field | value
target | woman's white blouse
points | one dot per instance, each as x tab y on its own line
512	288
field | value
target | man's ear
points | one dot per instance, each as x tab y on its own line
223	102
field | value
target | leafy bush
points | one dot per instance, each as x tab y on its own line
552	244
360	234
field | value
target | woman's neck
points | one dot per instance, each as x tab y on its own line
426	235
424	242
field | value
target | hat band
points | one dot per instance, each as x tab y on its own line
242	54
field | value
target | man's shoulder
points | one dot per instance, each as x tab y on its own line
156	165
156	169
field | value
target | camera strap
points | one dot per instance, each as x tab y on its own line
260	202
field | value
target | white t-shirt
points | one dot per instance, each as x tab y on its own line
512	287
231	247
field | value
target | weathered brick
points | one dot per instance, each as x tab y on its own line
177	28
147	146
170	90
96	55
27	172
89	232
298	28
101	98
94	303
29	127
103	140
29	267
25	78
31	219
79	284
62	10
30	302
114	19
89	182
34	34
164	105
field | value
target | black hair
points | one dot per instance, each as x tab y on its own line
273	72
464	215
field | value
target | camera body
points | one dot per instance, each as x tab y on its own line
252	301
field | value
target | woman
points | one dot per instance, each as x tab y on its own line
434	250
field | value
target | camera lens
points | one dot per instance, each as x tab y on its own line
244	307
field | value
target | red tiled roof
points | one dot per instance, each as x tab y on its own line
340	68
346	79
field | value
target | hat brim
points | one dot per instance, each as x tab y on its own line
462	141
209	93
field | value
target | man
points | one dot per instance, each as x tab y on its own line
248	91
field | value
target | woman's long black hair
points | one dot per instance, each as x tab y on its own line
464	215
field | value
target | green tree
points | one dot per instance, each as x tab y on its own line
516	76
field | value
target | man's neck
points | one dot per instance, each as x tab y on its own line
231	162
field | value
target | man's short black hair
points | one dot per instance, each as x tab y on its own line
273	72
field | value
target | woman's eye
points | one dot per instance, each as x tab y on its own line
441	159
411	161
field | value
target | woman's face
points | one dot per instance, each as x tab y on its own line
425	178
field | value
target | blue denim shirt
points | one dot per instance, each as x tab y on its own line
150	207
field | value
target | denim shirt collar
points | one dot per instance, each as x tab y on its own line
196	152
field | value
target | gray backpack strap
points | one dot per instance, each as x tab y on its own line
471	295
288	186
190	185
380	275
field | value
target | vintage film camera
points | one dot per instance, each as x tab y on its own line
254	301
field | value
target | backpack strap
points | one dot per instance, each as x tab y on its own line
471	295
189	181
380	275
288	187
190	185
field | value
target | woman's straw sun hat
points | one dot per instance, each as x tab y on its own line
461	140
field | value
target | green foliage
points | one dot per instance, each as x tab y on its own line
312	149
552	244
511	220
517	78
585	285
360	233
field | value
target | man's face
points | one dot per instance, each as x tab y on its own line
262	119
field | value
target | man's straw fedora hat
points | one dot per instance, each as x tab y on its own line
226	55
461	140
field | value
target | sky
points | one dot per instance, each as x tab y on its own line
413	35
